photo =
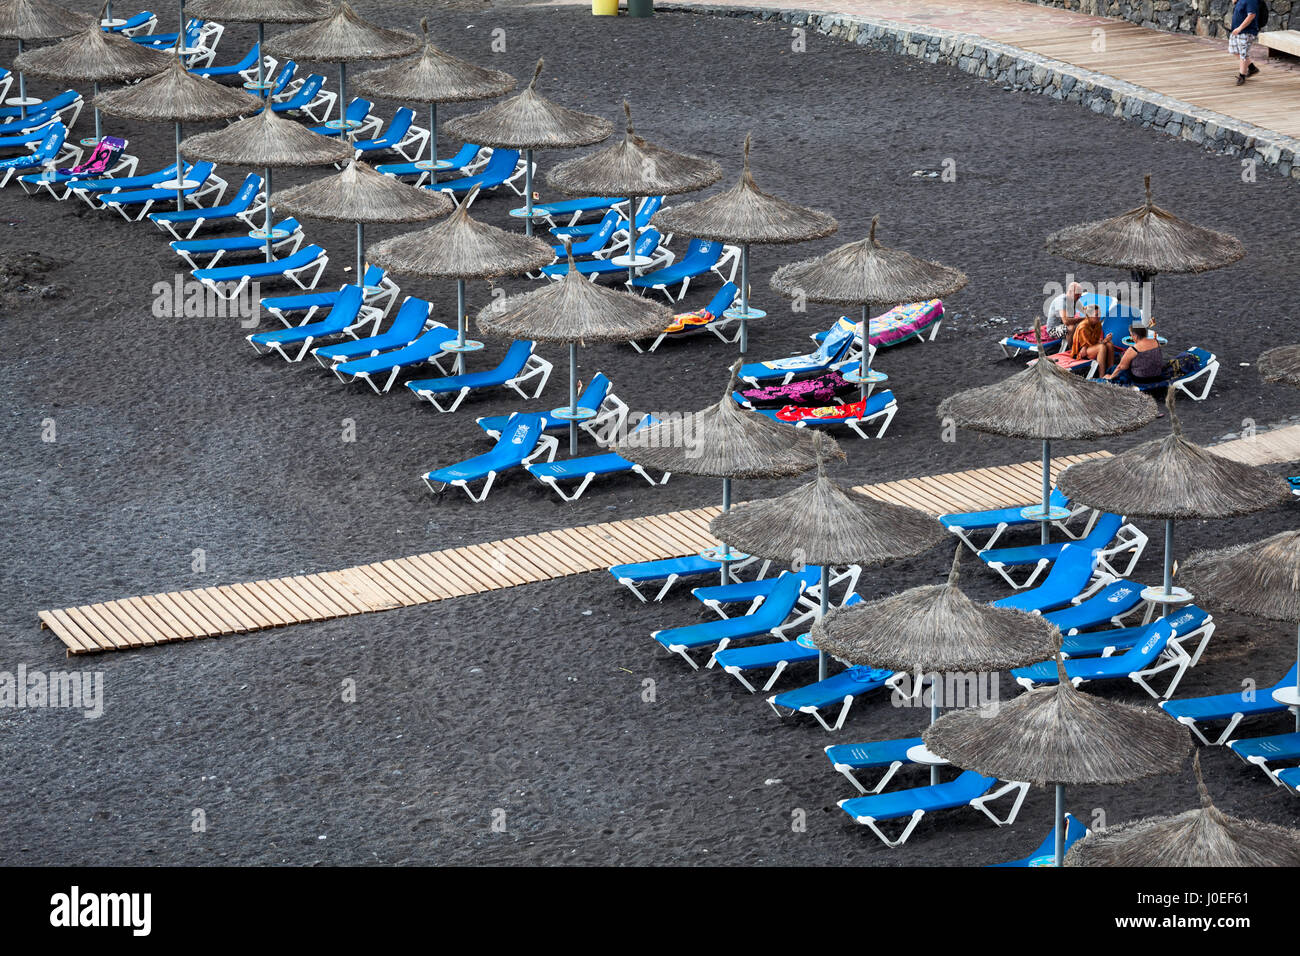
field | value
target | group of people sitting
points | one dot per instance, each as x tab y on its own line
1141	363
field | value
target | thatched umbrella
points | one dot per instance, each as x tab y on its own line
1260	579
575	312
267	141
1058	734
360	195
96	56
436	77
1046	402
866	273
343	38
530	122
460	247
1203	837
633	168
936	629
178	96
824	523
1281	365
745	214
25	20
261	12
725	441
1146	241
1172	478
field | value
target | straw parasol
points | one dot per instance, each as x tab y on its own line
867	273
1281	365
460	247
267	141
25	20
633	168
178	96
96	56
1172	478
936	629
1146	241
1047	403
1203	837
260	12
343	38
530	122
575	312
823	523
360	195
725	441
436	77
1058	734
745	214
1260	579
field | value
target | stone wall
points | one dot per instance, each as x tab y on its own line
1204	18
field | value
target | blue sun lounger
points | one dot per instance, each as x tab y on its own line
716	597
597	395
702	257
834	349
107	158
243	207
670	571
881	405
133	23
1069	579
594	244
645	212
519	365
768	619
284	306
125	202
35	135
248	62
229	281
405	328
1152	655
521	442
91	189
466	159
891	755
575	208
999	520
778	655
1289	778
1208	372
45	154
1233	707
1261	750
501	169
647	244
968	790
359	112
426	348
1111	536
41	113
217	247
585	470
1188	623
842	689
345	314
311	98
1110	606
401	136
1045	855
717	308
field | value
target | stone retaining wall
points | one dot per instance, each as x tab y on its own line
1202	18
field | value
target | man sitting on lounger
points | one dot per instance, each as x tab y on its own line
1062	312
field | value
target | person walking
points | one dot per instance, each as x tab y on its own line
1246	19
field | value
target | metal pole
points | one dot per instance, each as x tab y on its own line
22	86
744	298
573	398
528	192
343	99
631	243
433	143
266	211
361	255
864	364
262	90
180	40
98	133
460	326
1169	563
180	173
1060	824
726	506
821	615
934	715
1047	487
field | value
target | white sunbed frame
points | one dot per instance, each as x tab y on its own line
1173	657
811	597
252	217
1129	538
546	445
410	147
213	188
126	165
588	478
293	241
534	367
293	275
979	803
845	705
1062	526
672	579
364	314
729	254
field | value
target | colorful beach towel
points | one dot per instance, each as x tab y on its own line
689	321
904	322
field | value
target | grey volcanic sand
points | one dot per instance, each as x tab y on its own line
172	436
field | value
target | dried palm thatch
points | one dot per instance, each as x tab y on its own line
633	167
359	194
1046	402
177	96
436	77
343	37
259	11
724	441
936	628
1172	478
1148	240
39	20
824	523
744	213
530	121
1261	578
574	310
864	272
1059	734
266	140
461	247
1203	837
1281	365
93	56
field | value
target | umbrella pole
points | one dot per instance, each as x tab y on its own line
726	506
631	243
821	615
1047	488
266	211
22	86
528	192
180	172
361	256
864	363
573	398
1059	832
343	102
460	326
262	89
744	298
98	133
433	144
1169	563
180	19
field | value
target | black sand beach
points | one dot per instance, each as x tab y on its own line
172	436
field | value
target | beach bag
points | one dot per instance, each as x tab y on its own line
1182	365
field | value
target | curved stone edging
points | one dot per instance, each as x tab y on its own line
1032	72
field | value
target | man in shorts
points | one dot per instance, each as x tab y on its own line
1245	30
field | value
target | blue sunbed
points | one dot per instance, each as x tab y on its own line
1106	528
358	112
400	136
283	306
229	281
880	405
753	593
595	243
344	314
646	244
593	396
519	365
403	330
242	207
1289	778
585	470
92	189
1068	579
778	655
218	246
1151	655
497	171
467	154
768	619
1233	707
1189	622
249	62
717	307
520	442
669	571
874	755
649	206
970	789
575	207
1045	855
832	350
424	349
842	688
43	155
702	257
1261	750
124	201
998	520
1107	606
